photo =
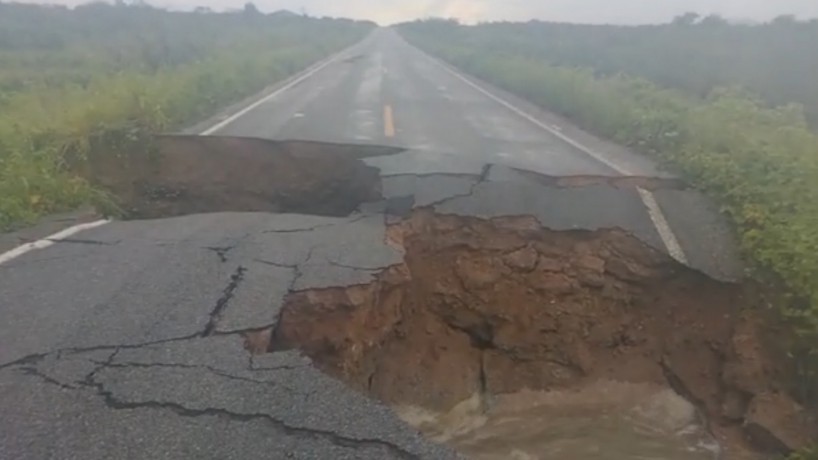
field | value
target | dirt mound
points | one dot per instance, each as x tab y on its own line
196	174
498	306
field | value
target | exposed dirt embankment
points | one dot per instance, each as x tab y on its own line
494	307
485	307
195	174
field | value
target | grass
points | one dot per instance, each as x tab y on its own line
84	87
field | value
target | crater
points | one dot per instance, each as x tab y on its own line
489	320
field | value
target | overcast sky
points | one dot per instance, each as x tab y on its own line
585	11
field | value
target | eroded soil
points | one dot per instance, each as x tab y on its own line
197	174
493	307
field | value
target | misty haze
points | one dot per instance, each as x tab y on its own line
440	229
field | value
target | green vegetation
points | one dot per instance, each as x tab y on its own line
776	60
810	453
759	162
101	79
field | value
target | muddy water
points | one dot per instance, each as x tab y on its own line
615	421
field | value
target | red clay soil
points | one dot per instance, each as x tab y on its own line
498	306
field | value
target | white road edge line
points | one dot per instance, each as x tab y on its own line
308	73
63	234
49	240
669	239
662	226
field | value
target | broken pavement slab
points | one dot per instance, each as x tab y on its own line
52	422
288	393
161	319
200	379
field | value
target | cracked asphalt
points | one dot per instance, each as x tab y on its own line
123	341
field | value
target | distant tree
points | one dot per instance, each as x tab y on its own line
713	20
131	3
250	9
687	19
785	20
706	53
448	22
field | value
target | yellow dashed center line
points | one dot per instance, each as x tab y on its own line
388	121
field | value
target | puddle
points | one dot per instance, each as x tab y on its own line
611	420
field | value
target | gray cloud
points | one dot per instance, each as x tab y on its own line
586	11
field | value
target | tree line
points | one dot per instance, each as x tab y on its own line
776	60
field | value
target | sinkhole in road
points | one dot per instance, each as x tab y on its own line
198	174
508	340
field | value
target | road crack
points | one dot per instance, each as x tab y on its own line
33	371
221	251
210	369
317	227
114	403
89	378
299	273
299	432
276	264
483	177
353	267
227	295
28	359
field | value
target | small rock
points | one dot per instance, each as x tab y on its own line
627	270
776	423
594	280
477	273
591	263
747	368
582	357
734	406
524	259
550	265
556	284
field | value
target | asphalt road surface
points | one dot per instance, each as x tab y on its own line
121	340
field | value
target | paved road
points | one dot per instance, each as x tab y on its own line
122	340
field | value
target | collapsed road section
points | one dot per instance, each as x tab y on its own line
504	313
507	280
488	308
193	174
